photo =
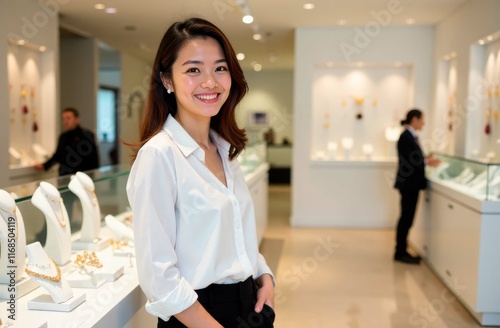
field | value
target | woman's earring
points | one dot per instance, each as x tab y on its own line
169	91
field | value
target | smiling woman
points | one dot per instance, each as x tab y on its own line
196	243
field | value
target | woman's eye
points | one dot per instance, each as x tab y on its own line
193	70
221	69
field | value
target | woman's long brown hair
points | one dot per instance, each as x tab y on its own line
160	104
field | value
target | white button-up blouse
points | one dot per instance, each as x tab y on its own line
190	230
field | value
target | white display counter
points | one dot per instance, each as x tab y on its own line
457	235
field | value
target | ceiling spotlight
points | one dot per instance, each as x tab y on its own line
257	67
111	10
341	22
42	48
257	36
99	6
308	6
240	56
481	42
21	42
489	38
248	19
410	21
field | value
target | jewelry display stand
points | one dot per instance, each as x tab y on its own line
83	187
58	244
347	144
47	274
12	230
123	234
84	278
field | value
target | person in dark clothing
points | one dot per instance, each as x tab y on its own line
410	179
76	148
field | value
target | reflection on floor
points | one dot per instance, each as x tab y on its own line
343	278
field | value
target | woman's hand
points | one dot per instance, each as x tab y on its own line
265	294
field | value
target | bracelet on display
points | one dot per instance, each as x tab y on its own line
89	259
56	278
118	244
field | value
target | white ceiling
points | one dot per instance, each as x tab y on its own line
275	19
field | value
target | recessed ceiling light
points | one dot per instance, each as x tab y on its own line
248	19
489	38
21	42
240	56
410	21
481	42
257	36
257	67
99	6
111	10
341	22
308	6
42	48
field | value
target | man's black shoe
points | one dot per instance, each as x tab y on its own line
408	259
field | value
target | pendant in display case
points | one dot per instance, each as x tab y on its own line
34	113
359	102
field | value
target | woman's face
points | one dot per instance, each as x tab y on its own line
418	123
201	80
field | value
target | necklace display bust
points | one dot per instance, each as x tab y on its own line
58	244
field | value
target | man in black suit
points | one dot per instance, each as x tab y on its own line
76	149
410	179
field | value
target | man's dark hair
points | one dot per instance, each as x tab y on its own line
71	110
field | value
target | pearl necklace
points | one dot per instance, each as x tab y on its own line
60	217
56	278
13	212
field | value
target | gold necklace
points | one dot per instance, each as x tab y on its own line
92	194
56	278
14	216
60	218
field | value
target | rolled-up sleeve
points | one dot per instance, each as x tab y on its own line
151	190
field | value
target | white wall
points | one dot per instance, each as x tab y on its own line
135	75
80	78
38	25
272	92
461	29
312	183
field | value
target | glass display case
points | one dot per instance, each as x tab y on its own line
109	182
252	157
480	180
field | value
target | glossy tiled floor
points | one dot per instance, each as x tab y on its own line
346	279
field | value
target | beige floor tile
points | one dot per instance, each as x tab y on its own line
343	278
